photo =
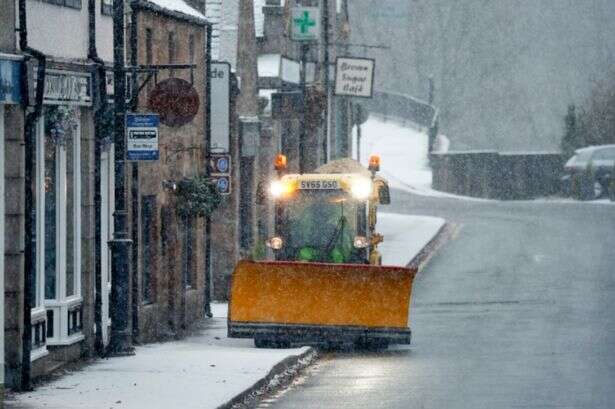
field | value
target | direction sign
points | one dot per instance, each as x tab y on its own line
142	137
305	23
220	163
223	184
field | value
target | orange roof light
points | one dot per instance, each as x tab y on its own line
279	162
374	163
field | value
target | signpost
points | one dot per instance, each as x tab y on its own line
142	137
305	23
354	77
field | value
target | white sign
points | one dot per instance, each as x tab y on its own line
305	23
354	77
142	137
290	71
67	88
220	106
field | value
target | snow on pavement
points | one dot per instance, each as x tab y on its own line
201	371
405	236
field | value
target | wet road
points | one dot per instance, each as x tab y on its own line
517	310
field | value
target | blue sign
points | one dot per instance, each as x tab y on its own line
220	163
223	184
142	137
10	82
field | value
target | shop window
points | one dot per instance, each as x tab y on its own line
58	224
149	252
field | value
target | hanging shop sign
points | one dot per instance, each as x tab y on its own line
354	77
305	23
220	106
142	137
10	82
175	100
67	88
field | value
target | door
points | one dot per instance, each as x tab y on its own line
106	233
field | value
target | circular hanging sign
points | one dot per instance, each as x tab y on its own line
175	100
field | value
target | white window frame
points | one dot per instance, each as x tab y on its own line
62	305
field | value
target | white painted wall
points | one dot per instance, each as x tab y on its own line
58	31
104	35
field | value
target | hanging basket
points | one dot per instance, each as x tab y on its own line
197	197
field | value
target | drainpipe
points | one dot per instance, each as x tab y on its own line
208	280
100	105
30	238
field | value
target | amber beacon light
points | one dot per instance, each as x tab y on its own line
279	162
374	163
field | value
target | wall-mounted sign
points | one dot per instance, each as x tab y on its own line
354	77
67	88
142	137
175	100
10	82
305	23
223	183
220	106
220	163
290	70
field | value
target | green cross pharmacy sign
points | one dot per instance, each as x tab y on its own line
305	23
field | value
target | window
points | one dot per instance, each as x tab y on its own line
149	253
74	4
58	226
149	58
106	7
171	50
188	254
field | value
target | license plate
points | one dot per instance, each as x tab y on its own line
318	184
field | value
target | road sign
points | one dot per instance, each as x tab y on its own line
305	23
220	163
223	184
142	137
354	77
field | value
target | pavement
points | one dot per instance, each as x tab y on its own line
205	370
515	311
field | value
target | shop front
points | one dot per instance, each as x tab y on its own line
57	313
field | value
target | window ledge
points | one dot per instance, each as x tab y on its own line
73	339
38	353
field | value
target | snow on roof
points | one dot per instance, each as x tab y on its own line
269	65
178	6
594	147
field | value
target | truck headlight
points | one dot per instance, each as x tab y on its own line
280	188
361	188
275	243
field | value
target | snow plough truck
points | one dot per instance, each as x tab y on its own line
325	282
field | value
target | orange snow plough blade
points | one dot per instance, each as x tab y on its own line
318	300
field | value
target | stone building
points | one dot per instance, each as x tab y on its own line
168	267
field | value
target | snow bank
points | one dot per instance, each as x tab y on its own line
402	149
405	236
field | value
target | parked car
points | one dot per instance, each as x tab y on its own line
588	173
